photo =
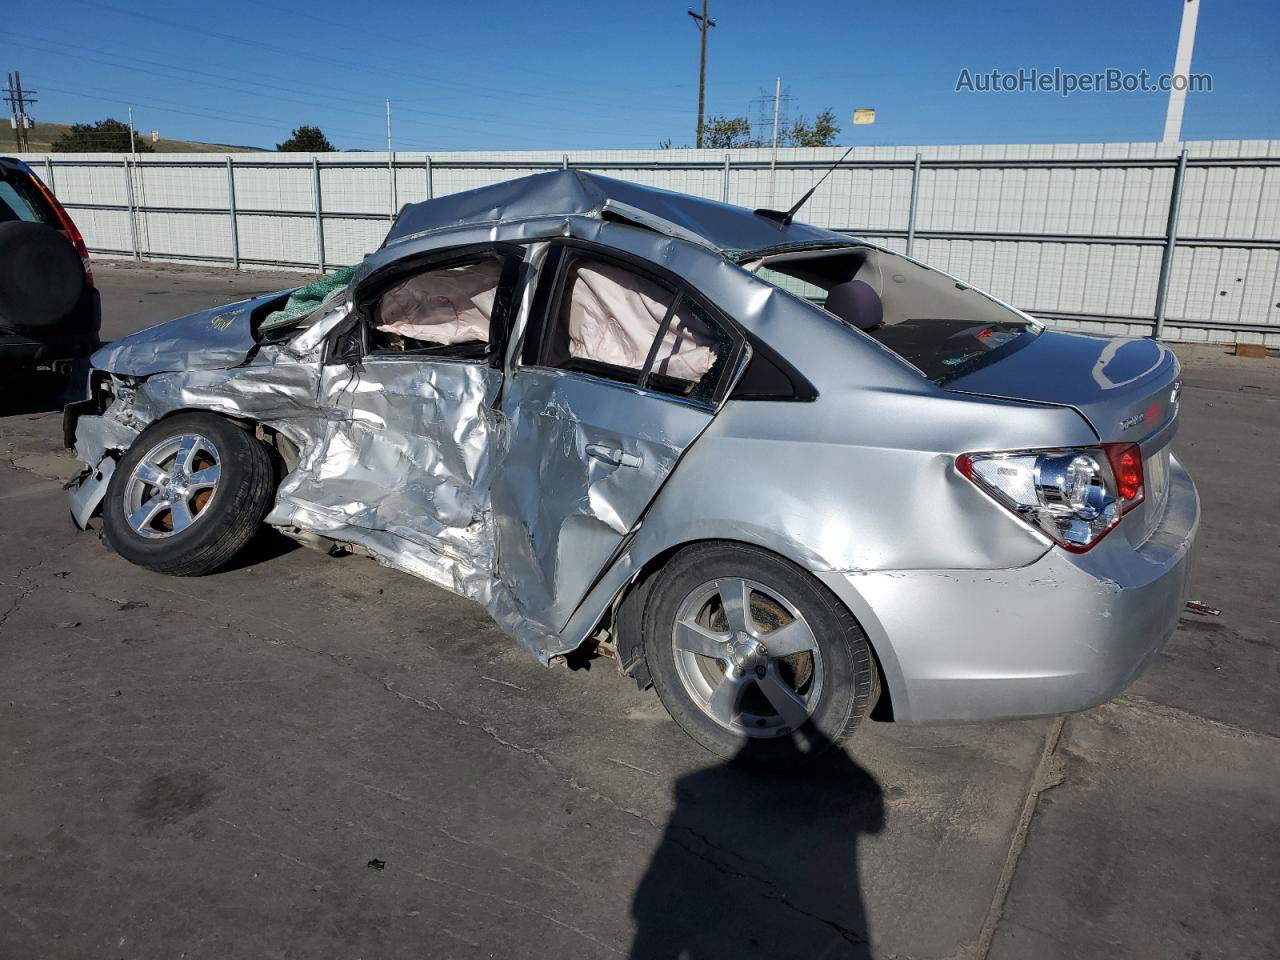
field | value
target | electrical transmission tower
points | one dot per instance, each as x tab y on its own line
18	100
771	113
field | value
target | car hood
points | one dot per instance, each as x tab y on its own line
1125	388
213	339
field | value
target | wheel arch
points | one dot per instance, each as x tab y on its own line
625	608
284	451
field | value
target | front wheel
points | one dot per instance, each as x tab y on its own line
188	495
752	657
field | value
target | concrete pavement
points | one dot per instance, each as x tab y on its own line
207	768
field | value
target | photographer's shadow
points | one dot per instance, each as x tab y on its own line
755	863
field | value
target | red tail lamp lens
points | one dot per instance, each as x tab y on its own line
1126	464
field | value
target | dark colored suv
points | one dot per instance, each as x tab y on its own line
50	312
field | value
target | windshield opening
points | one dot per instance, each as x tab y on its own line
944	328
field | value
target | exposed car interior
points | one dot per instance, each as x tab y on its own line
944	328
445	311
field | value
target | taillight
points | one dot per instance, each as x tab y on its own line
1075	495
1126	464
68	226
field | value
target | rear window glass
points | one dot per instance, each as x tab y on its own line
15	203
943	328
945	350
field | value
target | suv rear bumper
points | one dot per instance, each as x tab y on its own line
21	350
1062	634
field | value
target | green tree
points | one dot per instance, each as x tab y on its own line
821	133
727	133
307	140
105	136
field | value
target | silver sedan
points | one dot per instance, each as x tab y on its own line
785	476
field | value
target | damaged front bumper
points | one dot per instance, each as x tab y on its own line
98	441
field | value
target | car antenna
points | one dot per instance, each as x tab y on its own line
786	218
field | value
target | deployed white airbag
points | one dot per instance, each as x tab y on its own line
443	306
614	316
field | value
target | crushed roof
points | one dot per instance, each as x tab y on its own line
578	193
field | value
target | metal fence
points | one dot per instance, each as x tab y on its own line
1179	241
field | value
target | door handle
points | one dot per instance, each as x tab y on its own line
614	455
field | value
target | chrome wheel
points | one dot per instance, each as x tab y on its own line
172	486
747	657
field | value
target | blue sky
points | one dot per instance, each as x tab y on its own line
574	75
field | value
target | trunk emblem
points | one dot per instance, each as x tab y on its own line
1133	421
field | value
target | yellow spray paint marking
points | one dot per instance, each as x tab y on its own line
223	320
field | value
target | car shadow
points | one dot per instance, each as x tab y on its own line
267	545
759	863
23	394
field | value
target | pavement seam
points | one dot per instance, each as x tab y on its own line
1042	780
1182	715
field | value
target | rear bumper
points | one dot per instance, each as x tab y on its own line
19	350
1062	634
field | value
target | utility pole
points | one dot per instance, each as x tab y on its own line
18	101
1181	71
704	23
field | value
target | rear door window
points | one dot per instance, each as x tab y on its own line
616	322
16	202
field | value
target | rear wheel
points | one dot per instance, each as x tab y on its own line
188	495
752	657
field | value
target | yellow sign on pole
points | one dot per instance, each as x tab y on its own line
863	115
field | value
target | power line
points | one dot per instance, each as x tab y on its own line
237	85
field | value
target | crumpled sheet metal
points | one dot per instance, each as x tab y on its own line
376	470
721	226
212	339
561	511
394	457
404	449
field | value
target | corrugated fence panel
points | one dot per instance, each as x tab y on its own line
1075	232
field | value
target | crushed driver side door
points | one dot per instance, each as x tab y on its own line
407	394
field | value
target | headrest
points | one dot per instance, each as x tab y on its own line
856	302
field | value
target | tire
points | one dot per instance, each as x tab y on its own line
153	491
704	671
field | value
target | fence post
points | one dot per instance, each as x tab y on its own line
724	187
911	211
392	185
430	186
133	221
1170	242
315	173
231	208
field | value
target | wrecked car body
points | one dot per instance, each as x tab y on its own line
780	470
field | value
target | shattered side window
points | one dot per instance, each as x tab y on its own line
691	354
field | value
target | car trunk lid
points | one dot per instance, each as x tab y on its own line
1127	389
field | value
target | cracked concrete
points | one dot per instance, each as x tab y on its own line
206	767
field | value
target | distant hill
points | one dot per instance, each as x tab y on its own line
43	134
